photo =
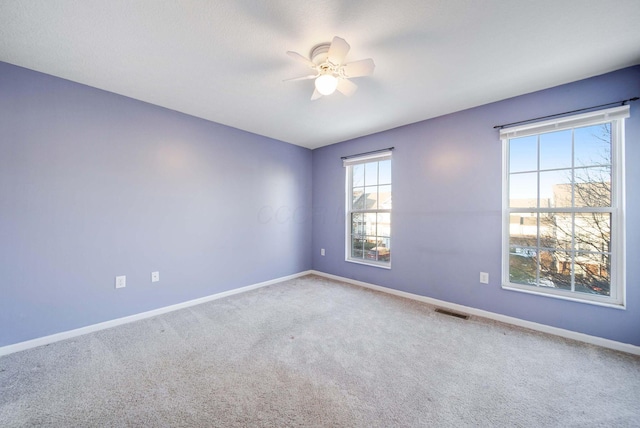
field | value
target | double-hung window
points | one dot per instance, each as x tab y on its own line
563	207
368	219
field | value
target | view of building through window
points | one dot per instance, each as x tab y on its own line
369	211
561	209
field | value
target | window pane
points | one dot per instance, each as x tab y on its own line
378	250
562	194
555	189
358	198
371	198
384	197
556	230
523	230
593	187
370	224
384	242
555	150
380	253
555	269
593	232
358	175
523	154
384	225
593	145
523	190
547	268
592	273
357	247
371	242
371	174
522	267
358	225
384	172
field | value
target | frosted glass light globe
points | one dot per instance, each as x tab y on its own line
326	84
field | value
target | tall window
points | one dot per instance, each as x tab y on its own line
563	207
369	209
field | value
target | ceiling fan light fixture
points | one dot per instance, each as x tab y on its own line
331	72
326	84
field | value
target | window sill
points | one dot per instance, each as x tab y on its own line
372	264
559	295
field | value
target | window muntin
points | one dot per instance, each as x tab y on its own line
369	210
564	201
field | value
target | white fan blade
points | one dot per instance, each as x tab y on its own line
310	76
316	95
338	50
346	87
363	67
298	57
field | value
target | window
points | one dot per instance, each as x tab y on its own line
369	209
563	199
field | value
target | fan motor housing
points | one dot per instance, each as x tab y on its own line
319	53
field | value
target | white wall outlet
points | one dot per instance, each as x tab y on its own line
484	278
121	281
155	276
322	251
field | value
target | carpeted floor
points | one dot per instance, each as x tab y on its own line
315	352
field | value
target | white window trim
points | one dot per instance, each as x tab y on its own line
616	116
348	163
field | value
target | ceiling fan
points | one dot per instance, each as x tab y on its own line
329	70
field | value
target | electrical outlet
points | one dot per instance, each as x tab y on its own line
155	276
121	281
322	251
484	278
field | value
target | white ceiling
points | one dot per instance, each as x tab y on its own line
224	60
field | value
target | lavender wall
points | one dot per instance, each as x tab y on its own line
447	208
94	185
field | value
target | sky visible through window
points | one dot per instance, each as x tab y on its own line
591	147
375	175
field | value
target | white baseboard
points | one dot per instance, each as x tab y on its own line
593	340
45	340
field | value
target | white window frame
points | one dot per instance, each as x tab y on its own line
616	117
348	163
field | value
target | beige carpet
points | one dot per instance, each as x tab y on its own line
315	352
